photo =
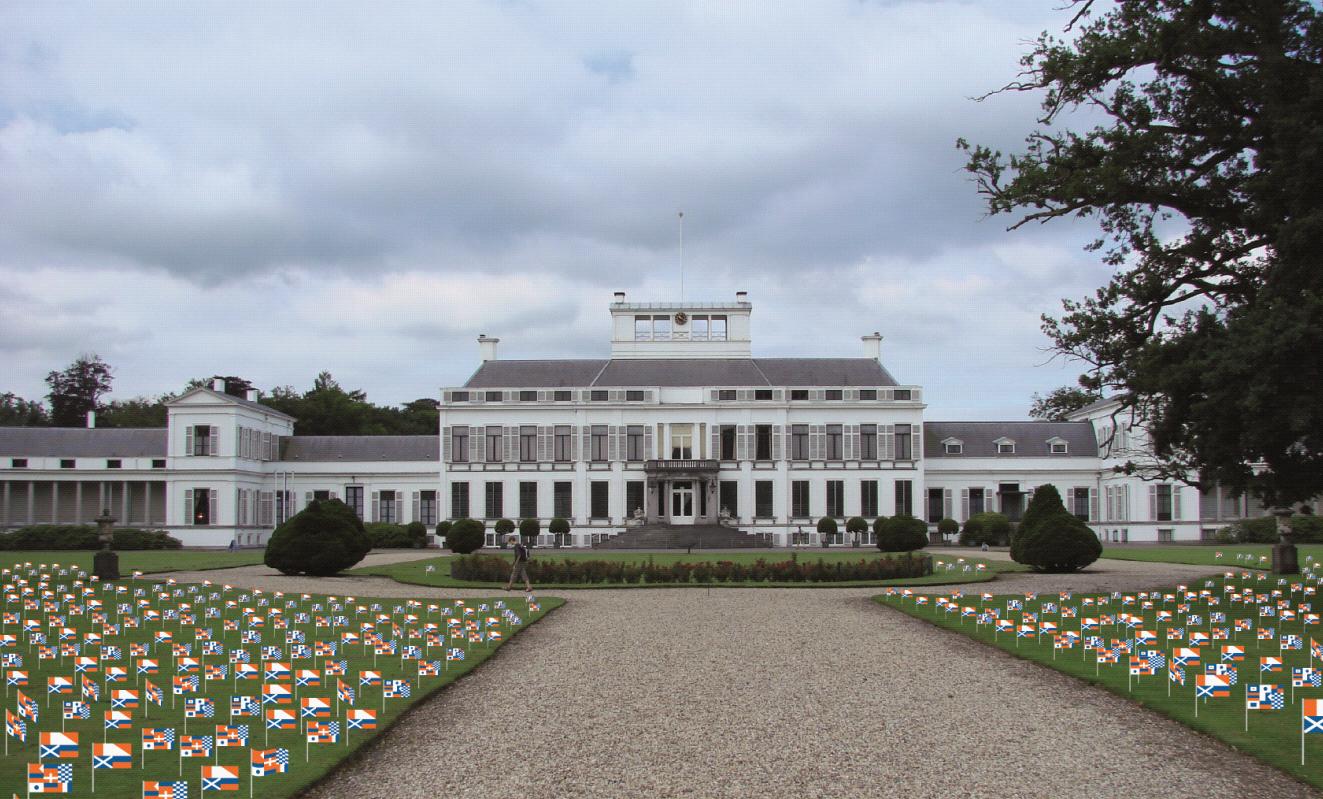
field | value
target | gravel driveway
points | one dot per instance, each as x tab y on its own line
779	693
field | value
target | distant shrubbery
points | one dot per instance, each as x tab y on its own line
396	536
576	571
83	536
1308	530
989	528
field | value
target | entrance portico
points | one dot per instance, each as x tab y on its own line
681	491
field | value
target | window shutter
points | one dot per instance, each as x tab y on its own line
417	509
716	441
446	433
647	443
399	508
1093	504
745	395
188	450
215	440
238	442
376	506
307	498
1153	502
946	504
776	442
617	396
714	395
1175	501
543	396
188	506
211	504
964	504
916	442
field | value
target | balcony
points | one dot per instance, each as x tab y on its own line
680	466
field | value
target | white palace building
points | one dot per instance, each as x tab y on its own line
680	425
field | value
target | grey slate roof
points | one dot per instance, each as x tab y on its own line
83	442
1030	438
677	372
361	448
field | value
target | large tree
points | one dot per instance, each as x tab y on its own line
18	412
1061	402
78	389
1205	175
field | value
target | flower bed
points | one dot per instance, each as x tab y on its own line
557	571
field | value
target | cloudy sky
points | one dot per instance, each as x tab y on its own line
274	189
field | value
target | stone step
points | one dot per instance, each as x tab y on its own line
665	536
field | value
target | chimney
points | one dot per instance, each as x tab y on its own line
91	419
873	346
620	298
218	384
487	347
742	297
250	395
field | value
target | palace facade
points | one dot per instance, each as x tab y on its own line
681	424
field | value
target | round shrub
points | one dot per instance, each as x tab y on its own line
559	528
465	536
529	529
417	532
1045	503
856	525
324	538
989	528
902	534
442	531
503	528
948	526
826	527
1050	538
878	524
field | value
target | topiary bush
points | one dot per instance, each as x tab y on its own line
503	528
856	525
902	534
417	534
442	532
1051	539
529	530
465	536
324	538
948	526
989	528
561	529
826	529
385	535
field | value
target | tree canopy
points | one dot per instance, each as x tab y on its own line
78	389
1206	178
1061	402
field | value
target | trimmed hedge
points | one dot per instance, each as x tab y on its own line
324	538
1052	539
989	528
385	535
465	536
576	571
83	536
529	529
901	534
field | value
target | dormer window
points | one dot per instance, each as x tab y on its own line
528	396
1005	446
953	446
1058	446
492	396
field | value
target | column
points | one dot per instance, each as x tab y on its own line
32	500
8	507
147	504
124	502
55	502
78	502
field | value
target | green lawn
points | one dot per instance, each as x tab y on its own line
1259	555
146	561
416	573
1273	736
226	614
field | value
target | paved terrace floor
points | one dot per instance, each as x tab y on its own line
777	693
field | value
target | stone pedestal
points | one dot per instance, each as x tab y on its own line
105	565
1285	559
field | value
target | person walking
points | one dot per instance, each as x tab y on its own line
520	569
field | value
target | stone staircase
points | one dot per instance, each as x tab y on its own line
667	536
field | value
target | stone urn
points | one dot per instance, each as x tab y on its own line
1285	556
105	563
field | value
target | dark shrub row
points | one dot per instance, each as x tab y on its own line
574	571
83	536
989	528
1308	530
397	536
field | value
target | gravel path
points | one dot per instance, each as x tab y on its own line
779	693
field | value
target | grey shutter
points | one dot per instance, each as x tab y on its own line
916	442
647	442
964	504
399	507
188	506
1093	504
238	442
417	508
446	433
307	498
211	504
1175	501
715	452
946	503
777	433
1153	502
376	506
215	440
188	447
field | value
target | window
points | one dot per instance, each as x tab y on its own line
868	498
834	394
799	442
762	393
762	499
201	506
836	498
114	463
835	446
717	328
867	393
202	439
1164	536
726	394
903	449
495	500
386	508
730	497
634	497
868	442
1163	495
1005	447
1060	448
935	509
494	453
427	507
661	328
977	502
459	500
953	447
727	442
599	505
762	442
682	441
459	445
562	500
562	396
599	442
563	447
527	443
799	394
528	396
528	500
904	497
18	463
459	396
321	496
633	396
634	444
598	395
1079	502
492	396
157	463
354	499
67	463
799	498
643	328
698	328
902	394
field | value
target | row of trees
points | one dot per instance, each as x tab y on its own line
325	409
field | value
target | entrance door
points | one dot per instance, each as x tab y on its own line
682	502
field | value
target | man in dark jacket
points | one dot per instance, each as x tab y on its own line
520	570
